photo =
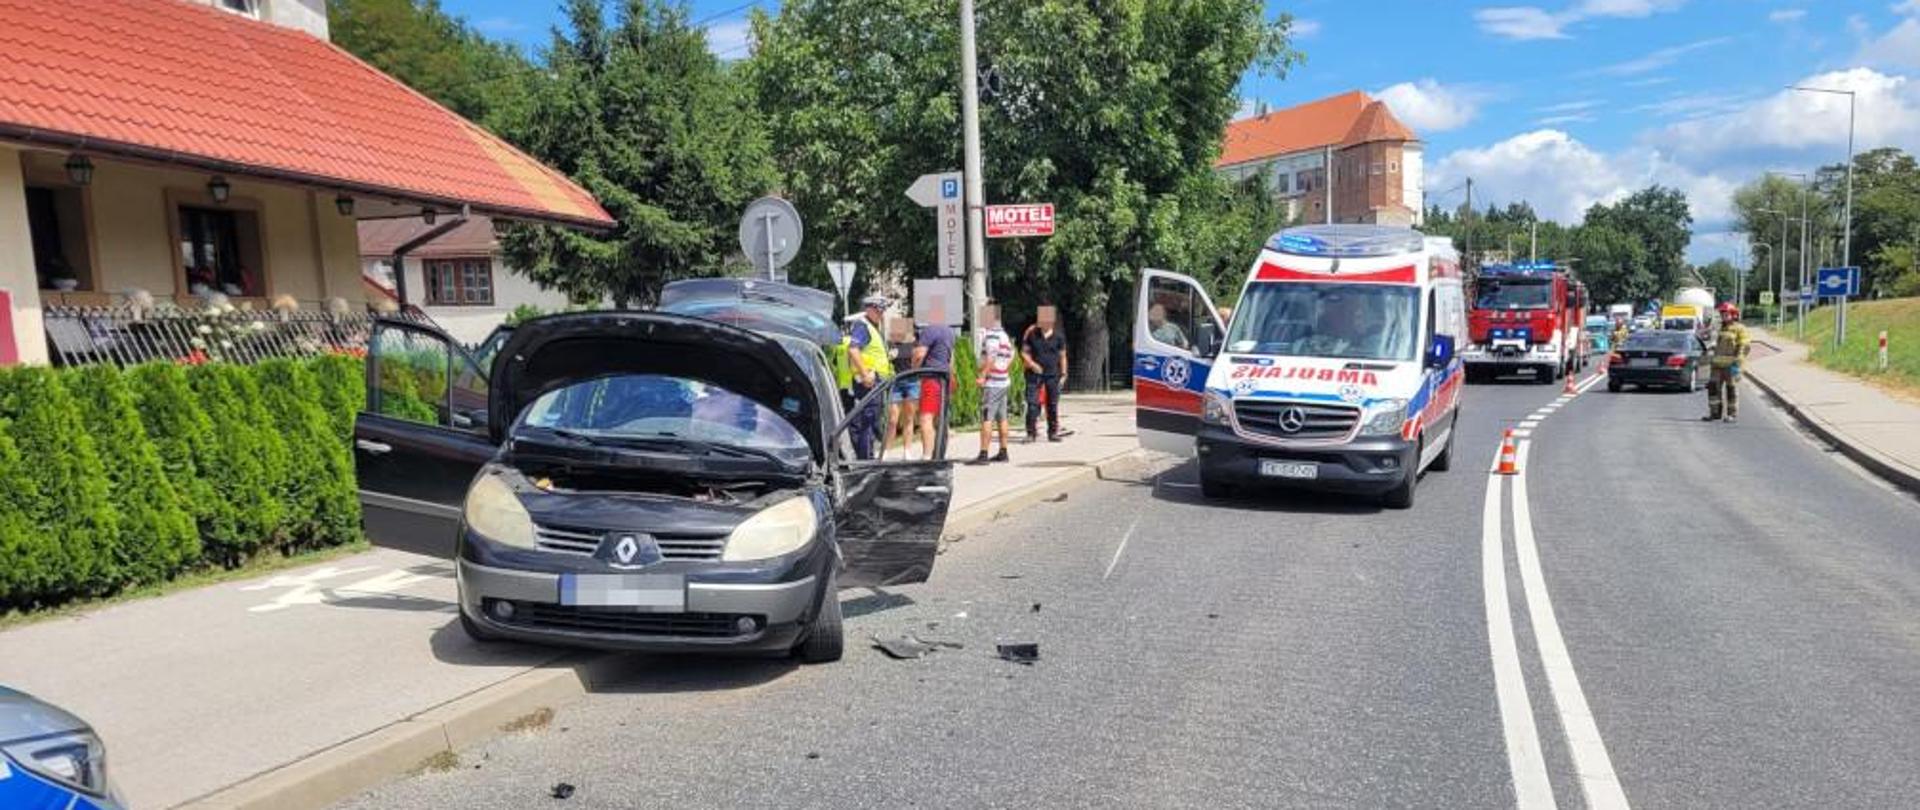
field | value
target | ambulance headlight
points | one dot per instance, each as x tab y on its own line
1385	418
1215	409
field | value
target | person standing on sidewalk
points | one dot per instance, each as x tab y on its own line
1045	351
933	351
995	351
903	398
1729	353
871	369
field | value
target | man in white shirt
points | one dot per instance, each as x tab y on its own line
995	350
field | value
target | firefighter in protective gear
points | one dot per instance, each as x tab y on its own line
1729	354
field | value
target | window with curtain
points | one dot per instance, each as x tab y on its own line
459	282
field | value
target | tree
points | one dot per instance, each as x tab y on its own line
1614	265
1657	217
1111	109
439	55
664	135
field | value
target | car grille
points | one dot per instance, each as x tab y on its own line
1318	421
539	616
574	540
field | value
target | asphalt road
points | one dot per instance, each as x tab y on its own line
1739	614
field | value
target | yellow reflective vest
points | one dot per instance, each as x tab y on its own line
873	356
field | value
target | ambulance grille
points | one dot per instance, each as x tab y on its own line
1317	421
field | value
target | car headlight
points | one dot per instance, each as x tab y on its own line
495	512
76	759
1214	409
782	528
1386	418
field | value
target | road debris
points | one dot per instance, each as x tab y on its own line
902	648
1024	653
1058	498
562	791
1036	607
813	755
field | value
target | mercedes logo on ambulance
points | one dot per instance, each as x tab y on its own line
1293	419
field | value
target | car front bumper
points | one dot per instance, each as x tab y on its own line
1369	465
779	605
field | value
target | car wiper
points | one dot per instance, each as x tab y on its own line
695	445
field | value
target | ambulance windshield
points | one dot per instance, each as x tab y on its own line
1312	319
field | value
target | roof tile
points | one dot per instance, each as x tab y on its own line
1333	121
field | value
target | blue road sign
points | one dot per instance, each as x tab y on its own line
1838	282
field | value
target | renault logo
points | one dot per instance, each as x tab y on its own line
1292	420
635	550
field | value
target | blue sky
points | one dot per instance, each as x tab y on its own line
1564	103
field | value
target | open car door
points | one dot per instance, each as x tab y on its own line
891	510
1176	338
420	438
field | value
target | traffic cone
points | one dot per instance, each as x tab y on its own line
1509	456
1570	387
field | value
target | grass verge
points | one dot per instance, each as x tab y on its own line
264	564
1860	356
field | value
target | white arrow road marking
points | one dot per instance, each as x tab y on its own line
305	589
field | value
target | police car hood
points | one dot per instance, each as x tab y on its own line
1314	379
546	354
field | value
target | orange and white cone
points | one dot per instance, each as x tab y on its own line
1570	387
1509	456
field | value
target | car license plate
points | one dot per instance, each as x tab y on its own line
1647	362
648	593
1289	469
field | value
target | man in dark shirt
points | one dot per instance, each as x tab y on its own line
934	350
1045	351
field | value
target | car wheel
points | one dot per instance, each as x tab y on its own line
1401	497
1614	386
475	631
1444	461
826	640
1212	488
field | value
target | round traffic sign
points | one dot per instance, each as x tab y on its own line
770	233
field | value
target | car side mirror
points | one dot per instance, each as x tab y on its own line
1440	352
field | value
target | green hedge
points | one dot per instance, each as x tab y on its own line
118	478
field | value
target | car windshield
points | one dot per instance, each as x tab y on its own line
1659	341
624	408
1510	294
1357	321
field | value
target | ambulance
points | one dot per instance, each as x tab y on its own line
1337	371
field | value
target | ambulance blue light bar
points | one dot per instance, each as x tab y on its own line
1347	241
1521	269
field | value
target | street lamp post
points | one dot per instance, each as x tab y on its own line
1806	190
1780	288
1846	252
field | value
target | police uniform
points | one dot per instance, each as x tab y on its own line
873	359
1723	384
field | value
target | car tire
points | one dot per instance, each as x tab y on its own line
1614	386
826	640
1401	497
1444	461
1212	488
474	631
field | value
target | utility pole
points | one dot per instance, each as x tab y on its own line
1846	253
976	188
1468	221
1533	241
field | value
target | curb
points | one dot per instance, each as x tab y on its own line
1878	463
346	769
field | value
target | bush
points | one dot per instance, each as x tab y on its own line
343	390
963	407
68	501
29	558
248	463
157	537
318	491
182	436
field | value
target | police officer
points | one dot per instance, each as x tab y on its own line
867	355
1729	352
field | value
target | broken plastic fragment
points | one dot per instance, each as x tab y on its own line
562	791
902	648
1022	653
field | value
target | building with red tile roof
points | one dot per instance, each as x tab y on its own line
180	148
459	277
1375	160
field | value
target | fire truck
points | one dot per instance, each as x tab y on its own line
1526	317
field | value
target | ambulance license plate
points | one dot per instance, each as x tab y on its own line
1306	470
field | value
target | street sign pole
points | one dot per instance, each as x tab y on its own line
770	235
976	189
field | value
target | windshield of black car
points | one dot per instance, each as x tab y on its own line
1321	319
666	413
1659	342
1514	294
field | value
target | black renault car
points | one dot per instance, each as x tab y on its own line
1658	357
643	480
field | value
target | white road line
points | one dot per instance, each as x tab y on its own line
1591	382
1530	423
1522	432
1598	783
1525	760
1120	548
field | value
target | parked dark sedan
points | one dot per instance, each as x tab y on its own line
1665	358
640	480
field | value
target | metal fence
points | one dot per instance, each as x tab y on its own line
125	335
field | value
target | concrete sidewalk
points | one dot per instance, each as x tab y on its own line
297	689
1874	428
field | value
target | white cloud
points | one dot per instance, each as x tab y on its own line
1655	60
1549	168
1809	126
1789	15
1570	106
1692	105
1558	120
1650	81
1907	7
1534	22
1308	29
1897	48
730	39
1429	106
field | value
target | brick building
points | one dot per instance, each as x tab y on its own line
1376	161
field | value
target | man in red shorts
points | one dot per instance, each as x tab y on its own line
933	350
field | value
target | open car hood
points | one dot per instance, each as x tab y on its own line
762	306
553	352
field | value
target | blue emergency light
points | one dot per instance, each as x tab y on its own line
1347	241
1520	269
